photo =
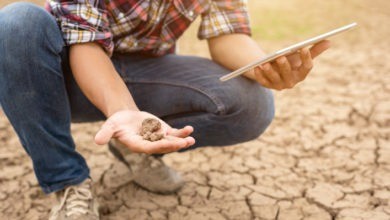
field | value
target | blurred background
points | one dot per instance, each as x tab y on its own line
326	155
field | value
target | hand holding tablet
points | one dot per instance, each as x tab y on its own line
287	51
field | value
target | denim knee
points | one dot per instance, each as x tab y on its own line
25	27
249	110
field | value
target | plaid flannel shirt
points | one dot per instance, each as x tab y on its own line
149	26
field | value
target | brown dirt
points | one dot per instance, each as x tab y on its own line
150	130
326	155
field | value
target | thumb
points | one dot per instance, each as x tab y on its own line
105	133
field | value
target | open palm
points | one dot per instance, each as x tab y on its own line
125	126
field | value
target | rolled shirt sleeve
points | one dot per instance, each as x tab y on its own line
225	17
82	21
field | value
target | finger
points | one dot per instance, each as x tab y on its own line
184	132
259	75
307	63
105	133
286	73
319	48
189	140
294	60
272	76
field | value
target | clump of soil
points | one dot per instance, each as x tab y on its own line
150	129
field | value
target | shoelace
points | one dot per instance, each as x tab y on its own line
76	203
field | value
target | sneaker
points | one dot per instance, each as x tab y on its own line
76	202
148	171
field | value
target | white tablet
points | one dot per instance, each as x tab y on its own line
286	51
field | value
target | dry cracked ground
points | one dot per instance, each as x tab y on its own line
326	155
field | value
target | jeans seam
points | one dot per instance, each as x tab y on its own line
53	45
218	103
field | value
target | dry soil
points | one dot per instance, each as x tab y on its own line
326	155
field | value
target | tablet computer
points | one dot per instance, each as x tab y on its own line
287	50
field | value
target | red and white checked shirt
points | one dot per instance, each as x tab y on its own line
147	26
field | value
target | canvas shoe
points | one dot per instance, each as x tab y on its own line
148	171
76	202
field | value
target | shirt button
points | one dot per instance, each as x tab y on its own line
190	14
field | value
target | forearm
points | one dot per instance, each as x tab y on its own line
98	79
234	51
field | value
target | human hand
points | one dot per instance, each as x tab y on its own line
289	70
125	127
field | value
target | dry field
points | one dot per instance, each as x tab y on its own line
326	155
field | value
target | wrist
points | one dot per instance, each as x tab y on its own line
112	109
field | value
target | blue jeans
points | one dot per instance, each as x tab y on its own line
41	99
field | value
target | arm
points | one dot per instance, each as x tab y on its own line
241	51
226	26
108	92
99	81
236	50
85	29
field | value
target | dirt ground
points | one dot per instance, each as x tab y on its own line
325	156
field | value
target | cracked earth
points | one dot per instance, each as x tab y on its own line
326	155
